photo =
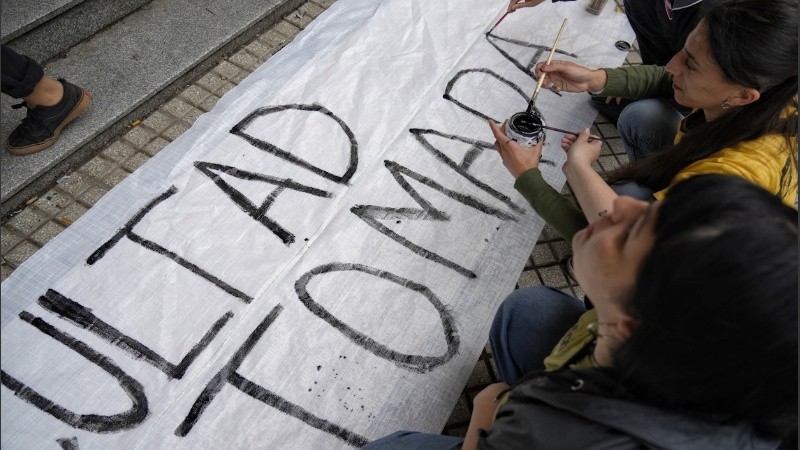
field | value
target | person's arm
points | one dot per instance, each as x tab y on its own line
637	82
523	164
593	193
483	408
557	211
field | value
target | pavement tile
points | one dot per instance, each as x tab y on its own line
97	167
299	19
209	103
118	151
47	232
461	412
259	50
211	81
245	60
552	276
20	253
5	272
287	29
175	130
75	184
194	95
479	375
8	239
529	278
227	70
27	221
324	3
115	177
155	146
542	254
52	202
607	130
562	248
139	136
193	114
175	107
273	39
158	121
227	86
135	161
92	195
70	214
311	9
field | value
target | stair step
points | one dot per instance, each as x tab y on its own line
131	67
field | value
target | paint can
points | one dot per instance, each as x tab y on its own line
526	128
596	6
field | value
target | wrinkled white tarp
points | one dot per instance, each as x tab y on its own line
316	262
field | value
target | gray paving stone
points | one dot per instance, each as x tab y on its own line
211	81
245	60
139	136
53	201
311	9
479	375
227	86
20	253
460	412
227	70
27	221
287	29
529	278
194	95
176	107
193	114
175	130
135	161
8	239
259	50
158	121
97	167
542	254
607	130
75	184
92	195
115	177
5	272
118	151
324	3
552	276
47	232
273	39
209	103
70	214
299	18
155	146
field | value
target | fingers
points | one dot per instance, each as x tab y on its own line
499	136
513	6
567	141
583	136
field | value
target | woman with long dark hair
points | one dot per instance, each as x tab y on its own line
692	343
738	70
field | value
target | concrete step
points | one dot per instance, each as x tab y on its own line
131	67
46	28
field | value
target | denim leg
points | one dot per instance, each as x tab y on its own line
647	126
633	189
20	74
527	326
411	440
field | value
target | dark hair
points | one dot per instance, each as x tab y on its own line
754	42
716	303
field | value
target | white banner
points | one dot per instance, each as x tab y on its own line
316	262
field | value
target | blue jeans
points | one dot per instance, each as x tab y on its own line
526	327
647	126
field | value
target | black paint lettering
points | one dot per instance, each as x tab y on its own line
83	317
229	375
258	213
372	214
239	130
528	67
127	231
463	168
465	72
416	363
90	422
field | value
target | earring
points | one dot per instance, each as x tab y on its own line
725	104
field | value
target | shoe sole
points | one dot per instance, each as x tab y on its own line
83	105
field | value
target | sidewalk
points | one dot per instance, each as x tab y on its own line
45	216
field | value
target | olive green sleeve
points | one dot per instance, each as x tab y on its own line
557	211
638	82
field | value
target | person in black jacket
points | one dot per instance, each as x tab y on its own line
694	344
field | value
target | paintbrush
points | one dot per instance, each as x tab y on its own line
501	19
549	58
561	130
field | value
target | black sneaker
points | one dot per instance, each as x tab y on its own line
40	129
